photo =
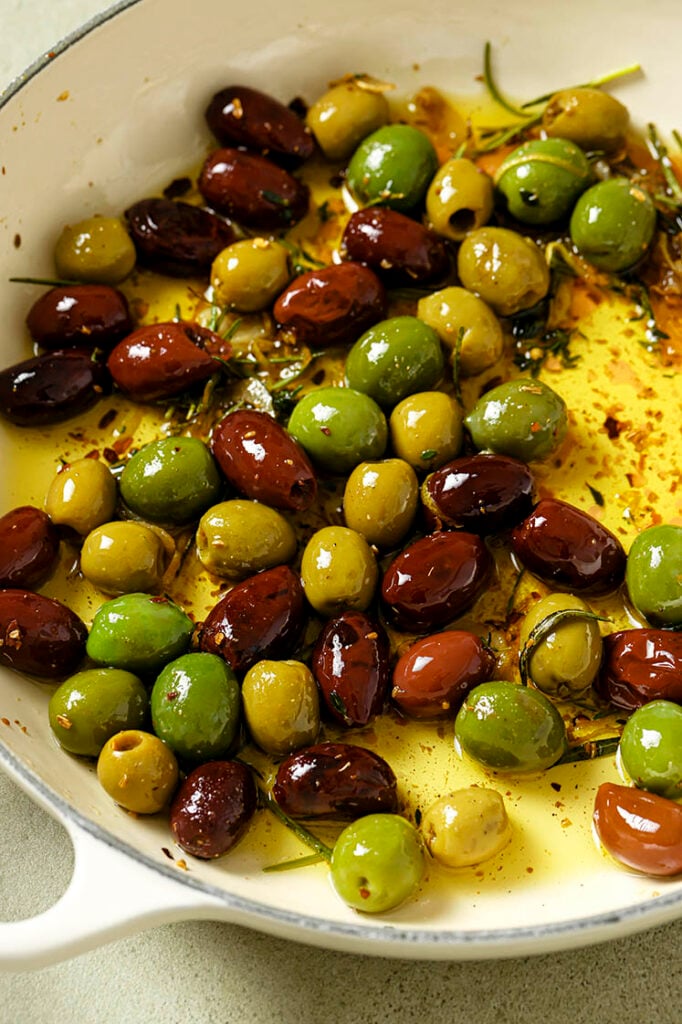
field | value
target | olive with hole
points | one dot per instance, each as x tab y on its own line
523	418
393	166
433	676
344	115
82	495
122	557
395	358
172	480
641	665
138	770
466	326
338	570
29	547
241	116
482	493
592	118
613	223
466	827
90	707
85	315
402	251
52	387
564	658
541	180
650	748
426	429
97	249
40	636
339	428
238	538
377	862
351	665
506	270
257	193
281	705
249	274
162	360
212	808
139	633
460	199
653	575
380	501
176	238
335	780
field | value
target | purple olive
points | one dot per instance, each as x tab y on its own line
352	668
245	117
29	547
39	635
51	388
176	238
84	315
213	807
331	306
252	190
162	360
337	780
400	250
481	493
641	665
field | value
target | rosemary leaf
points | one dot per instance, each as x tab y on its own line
321	849
543	628
595	83
491	85
589	750
298	862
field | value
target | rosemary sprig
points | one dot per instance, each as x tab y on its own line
456	365
595	83
491	85
297	862
660	153
321	849
543	629
589	750
48	281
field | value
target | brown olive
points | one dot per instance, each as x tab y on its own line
85	315
29	546
338	780
39	635
252	190
400	250
213	807
51	388
163	360
640	829
176	238
332	306
432	678
641	665
245	117
481	493
351	665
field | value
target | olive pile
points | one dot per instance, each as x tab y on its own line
326	620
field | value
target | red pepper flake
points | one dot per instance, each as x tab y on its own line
172	695
65	722
6	721
612	427
326	431
17	241
365	893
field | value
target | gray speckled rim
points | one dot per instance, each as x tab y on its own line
489	943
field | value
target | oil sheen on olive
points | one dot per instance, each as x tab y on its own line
481	493
172	480
52	387
176	238
39	635
138	770
123	557
397	248
653	576
641	830
641	665
91	706
506	270
338	570
252	190
84	315
524	418
650	748
380	501
238	537
351	665
97	249
432	678
281	705
565	660
250	119
29	547
160	361
82	495
344	115
212	808
335	780
139	633
426	429
339	428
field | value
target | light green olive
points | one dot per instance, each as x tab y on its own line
524	418
238	538
459	199
505	269
466	326
344	116
338	570
466	827
613	223
591	118
249	274
393	166
541	180
565	661
426	429
380	501
82	496
98	249
123	557
377	862
281	705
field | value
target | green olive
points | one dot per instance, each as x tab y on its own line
380	501
377	862
392	166
91	706
459	199
249	274
426	430
565	661
346	114
339	427
82	496
650	748
541	180
653	575
338	570
122	557
523	418
591	118
612	224
466	827
138	771
281	705
506	270
139	633
98	249
170	481
395	358
238	538
466	326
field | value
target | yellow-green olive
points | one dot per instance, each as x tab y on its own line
249	274
505	269
591	118
338	571
138	771
459	199
565	660
426	429
345	115
466	326
82	496
380	501
98	249
281	705
238	538
466	827
124	557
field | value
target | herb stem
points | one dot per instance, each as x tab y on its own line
320	848
595	83
491	85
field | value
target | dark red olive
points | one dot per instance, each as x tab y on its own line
569	548
86	315
400	250
263	462
332	306
435	579
213	807
640	665
176	238
336	780
39	635
252	190
351	665
53	387
432	678
244	117
481	493
163	360
640	829
29	547
262	617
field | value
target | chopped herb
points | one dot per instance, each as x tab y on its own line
589	750
456	365
324	213
49	282
427	454
597	495
298	862
512	597
336	701
232	329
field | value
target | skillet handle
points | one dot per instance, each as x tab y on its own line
109	896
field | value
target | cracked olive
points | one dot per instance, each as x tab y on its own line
392	166
345	115
281	705
377	862
506	270
467	327
249	274
466	827
338	570
395	358
339	427
523	418
650	748
238	538
122	557
172	480
380	501
426	429
590	117
138	771
139	633
612	224
91	706
541	180
653	575
82	496
98	249
565	660
459	199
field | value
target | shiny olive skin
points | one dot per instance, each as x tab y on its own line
339	428
504	269
212	808
335	780
160	361
262	461
52	387
481	493
395	358
249	274
459	199
38	635
139	633
250	119
176	238
238	537
467	327
252	190
393	166
567	547
541	180
92	706
96	249
466	827
653	576
344	115
565	662
123	557
640	830
172	480
195	706
377	862
650	748
523	418
641	665
510	728
29	547
338	570
590	117
281	705
380	501
432	678
351	665
82	495
426	429
397	248
435	579
331	306
262	617
138	771
613	223
84	315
